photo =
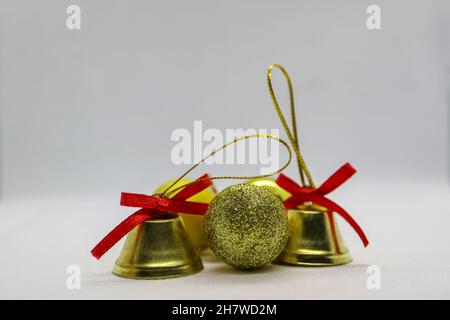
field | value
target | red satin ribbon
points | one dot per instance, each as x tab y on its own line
152	207
301	195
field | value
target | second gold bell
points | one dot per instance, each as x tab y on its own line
314	239
314	236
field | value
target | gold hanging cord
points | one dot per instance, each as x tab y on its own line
293	136
166	193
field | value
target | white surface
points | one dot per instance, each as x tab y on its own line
407	227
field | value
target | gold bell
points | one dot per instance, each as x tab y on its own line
314	239
193	224
272	186
158	249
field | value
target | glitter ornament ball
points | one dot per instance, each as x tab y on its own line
246	226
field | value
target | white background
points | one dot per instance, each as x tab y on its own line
86	114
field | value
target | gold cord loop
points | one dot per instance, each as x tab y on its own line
293	136
166	193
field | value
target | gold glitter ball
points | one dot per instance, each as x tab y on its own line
246	226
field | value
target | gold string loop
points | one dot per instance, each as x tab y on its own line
166	193
292	135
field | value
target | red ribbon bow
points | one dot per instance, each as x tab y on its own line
301	195
152	207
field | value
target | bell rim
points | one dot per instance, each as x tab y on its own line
157	273
323	260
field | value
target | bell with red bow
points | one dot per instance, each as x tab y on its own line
314	237
157	245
